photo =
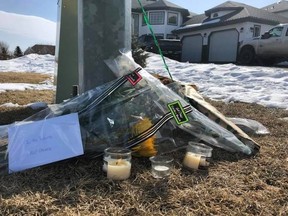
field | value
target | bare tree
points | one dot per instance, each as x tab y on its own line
4	45
4	52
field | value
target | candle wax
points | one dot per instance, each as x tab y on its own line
118	170
160	171
106	161
192	160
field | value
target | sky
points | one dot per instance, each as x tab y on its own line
200	7
26	31
267	86
48	8
43	8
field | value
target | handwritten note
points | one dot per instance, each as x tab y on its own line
43	142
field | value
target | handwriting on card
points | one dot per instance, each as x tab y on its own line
44	141
39	139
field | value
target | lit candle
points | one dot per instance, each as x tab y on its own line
193	161
106	161
118	170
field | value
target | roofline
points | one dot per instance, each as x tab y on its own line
208	12
276	11
266	8
184	11
230	22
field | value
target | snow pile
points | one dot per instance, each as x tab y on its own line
266	86
44	64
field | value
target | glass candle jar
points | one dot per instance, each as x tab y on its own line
198	156
117	163
161	166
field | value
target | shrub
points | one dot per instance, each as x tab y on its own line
138	54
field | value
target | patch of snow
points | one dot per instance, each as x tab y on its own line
10	105
34	106
44	64
37	105
266	86
25	86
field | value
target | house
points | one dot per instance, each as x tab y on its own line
215	35
40	49
163	15
279	8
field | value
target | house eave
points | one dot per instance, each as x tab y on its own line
213	10
184	12
226	23
279	11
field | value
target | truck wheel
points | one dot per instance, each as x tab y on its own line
247	56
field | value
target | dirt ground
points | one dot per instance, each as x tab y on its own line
234	184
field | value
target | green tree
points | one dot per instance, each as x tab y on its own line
18	52
138	54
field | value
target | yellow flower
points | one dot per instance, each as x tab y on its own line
146	148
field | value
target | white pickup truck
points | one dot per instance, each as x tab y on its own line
271	47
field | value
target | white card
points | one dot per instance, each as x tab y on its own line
43	142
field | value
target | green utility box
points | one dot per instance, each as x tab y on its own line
89	32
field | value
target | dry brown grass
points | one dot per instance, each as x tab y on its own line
28	96
10	115
234	184
14	77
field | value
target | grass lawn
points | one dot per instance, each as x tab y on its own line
234	184
16	77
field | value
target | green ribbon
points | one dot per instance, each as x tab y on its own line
154	37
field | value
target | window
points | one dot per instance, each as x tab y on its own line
159	36
157	18
143	20
135	24
172	18
172	36
215	15
256	30
276	32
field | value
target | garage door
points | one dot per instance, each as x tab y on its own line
223	46
192	48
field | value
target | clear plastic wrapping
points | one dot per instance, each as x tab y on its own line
250	126
135	111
